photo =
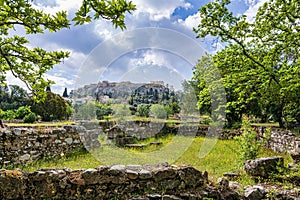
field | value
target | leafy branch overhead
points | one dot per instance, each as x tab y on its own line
260	64
30	64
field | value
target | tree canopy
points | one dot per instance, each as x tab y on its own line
260	64
30	64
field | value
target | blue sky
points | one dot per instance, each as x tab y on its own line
179	16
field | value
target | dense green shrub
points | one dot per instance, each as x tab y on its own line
143	110
8	114
22	111
103	110
30	118
172	108
54	107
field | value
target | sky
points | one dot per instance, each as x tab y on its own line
158	44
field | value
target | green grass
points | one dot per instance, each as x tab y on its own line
41	124
222	158
274	124
80	159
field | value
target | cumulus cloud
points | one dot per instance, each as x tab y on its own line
191	21
53	6
158	9
150	57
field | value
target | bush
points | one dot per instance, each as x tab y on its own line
103	111
158	111
54	107
143	110
8	114
85	111
30	118
120	111
250	142
22	111
172	108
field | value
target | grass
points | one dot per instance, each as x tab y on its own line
41	124
274	124
80	159
222	158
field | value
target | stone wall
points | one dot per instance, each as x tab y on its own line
160	181
19	146
284	141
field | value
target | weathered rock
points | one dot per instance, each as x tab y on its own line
132	174
223	183
164	173
235	186
254	192
231	175
145	174
264	167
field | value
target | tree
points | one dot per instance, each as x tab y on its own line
158	111
54	107
260	64
30	64
12	97
85	111
65	94
143	110
103	110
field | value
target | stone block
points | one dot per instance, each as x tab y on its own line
264	167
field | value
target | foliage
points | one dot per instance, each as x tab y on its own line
158	111
22	111
172	108
65	94
85	111
70	109
30	118
250	142
30	64
110	10
7	115
19	113
120	111
189	99
260	64
54	107
103	110
12	97
143	110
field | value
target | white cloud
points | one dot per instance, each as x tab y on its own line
104	29
51	7
191	21
150	57
60	82
158	9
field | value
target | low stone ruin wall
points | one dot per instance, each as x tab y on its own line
283	141
19	146
160	181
